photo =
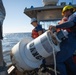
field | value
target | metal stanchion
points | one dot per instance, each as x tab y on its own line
3	69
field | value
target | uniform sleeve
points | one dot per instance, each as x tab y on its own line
2	12
66	25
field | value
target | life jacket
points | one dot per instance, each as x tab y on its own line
34	34
64	19
74	58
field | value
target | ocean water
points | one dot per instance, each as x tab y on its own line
9	40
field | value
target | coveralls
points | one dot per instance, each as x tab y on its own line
38	28
2	17
67	47
35	31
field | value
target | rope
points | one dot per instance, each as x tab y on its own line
52	44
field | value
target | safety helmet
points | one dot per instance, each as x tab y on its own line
33	20
67	7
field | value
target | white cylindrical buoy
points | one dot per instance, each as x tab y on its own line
29	55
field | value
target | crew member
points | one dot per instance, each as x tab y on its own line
67	46
38	30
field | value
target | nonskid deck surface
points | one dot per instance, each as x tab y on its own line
14	71
48	71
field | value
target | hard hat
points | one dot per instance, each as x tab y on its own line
33	20
67	7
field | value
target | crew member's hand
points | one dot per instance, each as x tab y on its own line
52	28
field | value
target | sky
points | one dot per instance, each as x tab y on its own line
15	20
